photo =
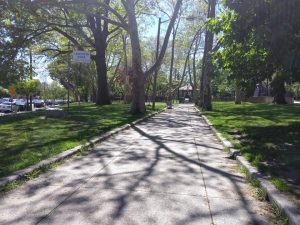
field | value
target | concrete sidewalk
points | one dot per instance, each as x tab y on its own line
167	170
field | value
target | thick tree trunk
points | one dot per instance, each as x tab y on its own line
138	95
207	68
100	32
103	97
279	88
139	77
138	87
238	95
206	103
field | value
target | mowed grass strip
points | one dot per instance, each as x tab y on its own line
268	136
30	138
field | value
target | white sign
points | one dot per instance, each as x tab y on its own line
81	57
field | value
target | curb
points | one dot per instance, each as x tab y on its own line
10	115
288	207
70	152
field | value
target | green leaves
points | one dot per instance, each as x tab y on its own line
27	87
7	22
242	53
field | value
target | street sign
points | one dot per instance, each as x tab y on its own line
81	57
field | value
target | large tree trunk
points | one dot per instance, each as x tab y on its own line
139	77
103	97
207	68
138	87
238	95
279	92
100	32
138	94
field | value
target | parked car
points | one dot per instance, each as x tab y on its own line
49	102
38	103
5	100
8	107
21	103
58	101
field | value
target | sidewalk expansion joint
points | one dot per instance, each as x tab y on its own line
202	174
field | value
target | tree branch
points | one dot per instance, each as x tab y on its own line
72	39
166	40
59	52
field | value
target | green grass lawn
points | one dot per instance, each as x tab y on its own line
30	138
267	135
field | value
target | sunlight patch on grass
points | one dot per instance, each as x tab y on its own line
267	135
28	139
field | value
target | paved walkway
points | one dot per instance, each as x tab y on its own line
169	170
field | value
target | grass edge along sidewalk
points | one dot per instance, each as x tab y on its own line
70	152
288	207
27	139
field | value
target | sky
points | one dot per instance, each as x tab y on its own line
40	64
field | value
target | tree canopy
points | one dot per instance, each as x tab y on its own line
260	41
199	43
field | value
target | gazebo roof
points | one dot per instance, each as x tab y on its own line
186	88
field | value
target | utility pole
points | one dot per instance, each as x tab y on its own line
30	74
69	60
156	71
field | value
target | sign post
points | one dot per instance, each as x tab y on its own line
81	57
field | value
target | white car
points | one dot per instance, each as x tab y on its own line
8	107
4	100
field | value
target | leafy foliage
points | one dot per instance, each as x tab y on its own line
258	40
28	87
